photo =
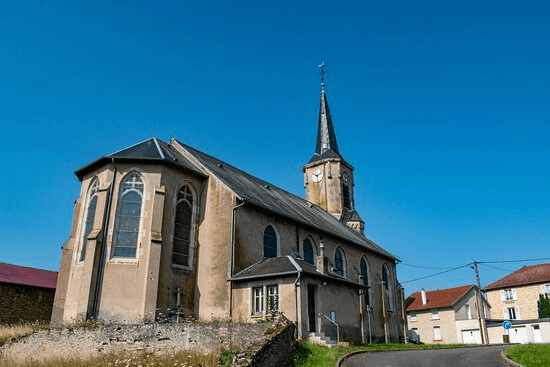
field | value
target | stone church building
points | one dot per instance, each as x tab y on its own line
160	227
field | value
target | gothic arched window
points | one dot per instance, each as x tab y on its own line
183	228
88	220
128	216
365	274
270	242
339	262
309	254
387	288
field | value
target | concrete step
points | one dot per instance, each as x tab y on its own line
321	339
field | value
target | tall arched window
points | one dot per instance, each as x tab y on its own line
270	242
387	288
339	262
309	254
88	220
128	216
365	274
183	227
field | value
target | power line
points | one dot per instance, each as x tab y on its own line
424	267
512	261
436	274
494	267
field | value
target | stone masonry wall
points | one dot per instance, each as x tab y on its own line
21	303
274	348
204	338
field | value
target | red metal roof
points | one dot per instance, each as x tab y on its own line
27	276
527	275
440	298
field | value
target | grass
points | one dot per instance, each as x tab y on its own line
530	355
129	359
311	355
8	332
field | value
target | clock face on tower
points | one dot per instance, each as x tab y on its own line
345	177
317	175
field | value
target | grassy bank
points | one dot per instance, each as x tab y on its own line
530	355
127	359
310	355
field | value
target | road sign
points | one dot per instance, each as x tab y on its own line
507	325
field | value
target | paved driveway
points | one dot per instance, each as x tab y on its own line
459	357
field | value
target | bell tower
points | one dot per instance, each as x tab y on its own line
328	178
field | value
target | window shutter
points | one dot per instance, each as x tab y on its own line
518	317
514	294
505	313
502	295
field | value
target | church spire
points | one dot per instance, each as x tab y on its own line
326	146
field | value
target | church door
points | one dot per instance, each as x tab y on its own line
311	307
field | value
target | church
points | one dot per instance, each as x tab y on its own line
163	229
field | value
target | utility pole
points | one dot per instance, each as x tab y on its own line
481	310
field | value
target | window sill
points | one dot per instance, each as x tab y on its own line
123	261
184	269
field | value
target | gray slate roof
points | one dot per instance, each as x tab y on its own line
284	266
151	150
251	189
273	199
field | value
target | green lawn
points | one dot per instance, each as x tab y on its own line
530	355
310	355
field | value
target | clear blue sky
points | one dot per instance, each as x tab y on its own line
443	109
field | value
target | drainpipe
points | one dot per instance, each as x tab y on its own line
231	254
101	265
296	285
384	311
361	313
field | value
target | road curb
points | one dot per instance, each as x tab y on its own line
508	361
503	356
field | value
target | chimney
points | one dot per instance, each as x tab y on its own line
423	293
321	261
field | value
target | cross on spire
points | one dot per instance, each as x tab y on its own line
322	73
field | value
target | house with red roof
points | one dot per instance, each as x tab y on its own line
26	294
446	316
515	298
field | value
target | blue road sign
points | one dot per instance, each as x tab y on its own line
507	325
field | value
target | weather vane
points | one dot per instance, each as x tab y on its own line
322	73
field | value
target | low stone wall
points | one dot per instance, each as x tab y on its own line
22	303
269	342
275	347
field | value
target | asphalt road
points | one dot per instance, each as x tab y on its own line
459	357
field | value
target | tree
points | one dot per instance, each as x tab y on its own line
544	306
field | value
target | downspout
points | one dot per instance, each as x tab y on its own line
361	313
384	311
296	285
231	255
403	316
101	265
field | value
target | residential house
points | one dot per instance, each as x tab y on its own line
515	298
26	294
163	228
445	316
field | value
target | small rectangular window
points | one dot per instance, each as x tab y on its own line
413	316
437	333
258	300
508	294
546	290
273	298
333	316
435	315
468	312
511	313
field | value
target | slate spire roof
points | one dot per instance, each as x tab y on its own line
326	146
